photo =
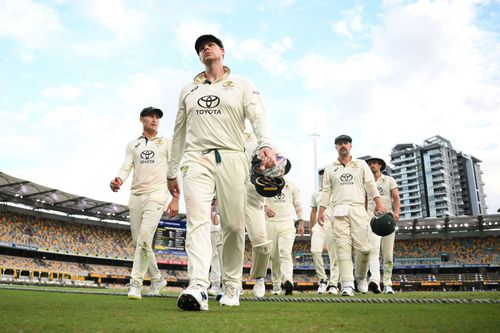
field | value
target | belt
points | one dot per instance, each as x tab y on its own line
218	159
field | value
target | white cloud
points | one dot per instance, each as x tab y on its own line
65	91
31	24
270	58
350	24
186	32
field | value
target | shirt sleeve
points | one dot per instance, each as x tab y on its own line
326	189
178	139
256	114
127	165
392	183
296	202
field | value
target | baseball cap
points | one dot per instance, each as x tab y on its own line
378	160
149	110
206	38
343	137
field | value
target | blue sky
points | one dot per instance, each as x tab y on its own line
75	74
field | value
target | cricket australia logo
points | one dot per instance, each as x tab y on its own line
380	190
147	156
209	101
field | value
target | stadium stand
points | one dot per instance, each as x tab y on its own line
56	247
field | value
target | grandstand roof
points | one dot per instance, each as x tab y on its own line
23	192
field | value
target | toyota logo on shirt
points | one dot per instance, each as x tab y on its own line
346	177
147	154
209	101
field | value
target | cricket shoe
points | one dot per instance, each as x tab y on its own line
276	289
134	292
322	287
388	290
373	286
259	289
347	291
363	286
288	287
214	290
155	287
333	290
194	298
231	296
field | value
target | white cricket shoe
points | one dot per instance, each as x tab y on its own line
259	289
363	286
214	290
322	287
194	298
231	296
388	290
347	291
333	290
155	287
134	292
276	289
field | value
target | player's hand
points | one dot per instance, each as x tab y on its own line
173	207
300	228
379	208
396	216
270	212
115	184
173	187
268	158
321	219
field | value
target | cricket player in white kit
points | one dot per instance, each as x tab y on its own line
281	211
321	237
389	194
255	224
208	136
345	183
148	156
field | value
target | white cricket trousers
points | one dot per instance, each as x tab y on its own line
321	236
386	244
216	263
202	175
352	231
282	234
145	214
256	226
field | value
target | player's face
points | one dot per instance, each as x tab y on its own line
150	122
374	166
343	148
210	51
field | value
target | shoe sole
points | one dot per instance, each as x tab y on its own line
372	286
134	297
288	288
188	303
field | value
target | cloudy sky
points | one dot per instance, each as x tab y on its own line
75	74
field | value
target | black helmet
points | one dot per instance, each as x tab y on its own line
264	185
383	225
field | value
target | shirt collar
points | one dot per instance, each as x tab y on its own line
201	78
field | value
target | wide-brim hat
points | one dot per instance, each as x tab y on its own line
378	160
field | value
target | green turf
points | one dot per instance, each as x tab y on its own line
35	311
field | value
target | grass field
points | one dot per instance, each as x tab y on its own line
41	311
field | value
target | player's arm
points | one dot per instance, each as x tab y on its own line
123	173
178	143
298	210
371	189
326	193
396	203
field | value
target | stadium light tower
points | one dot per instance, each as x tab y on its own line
315	135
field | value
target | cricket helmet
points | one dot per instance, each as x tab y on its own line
270	182
383	225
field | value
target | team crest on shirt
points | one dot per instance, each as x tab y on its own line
228	84
184	169
159	142
380	190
